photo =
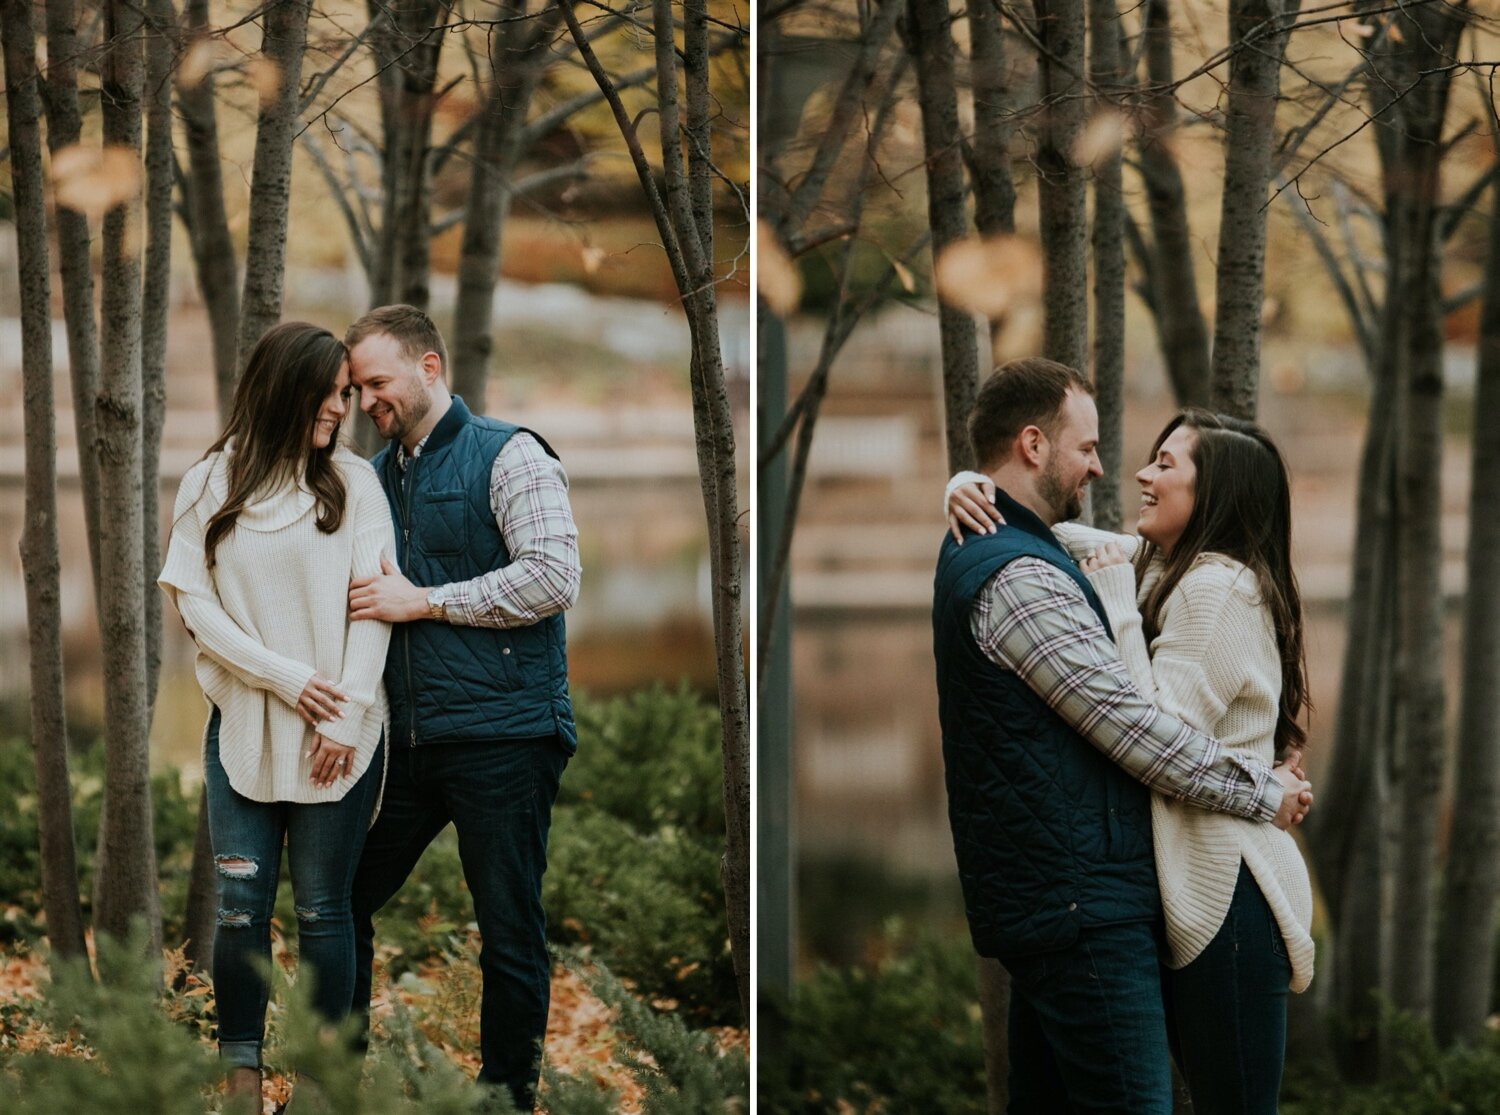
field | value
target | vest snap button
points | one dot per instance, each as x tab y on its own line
505	650
1072	906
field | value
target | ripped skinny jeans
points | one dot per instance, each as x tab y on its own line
323	843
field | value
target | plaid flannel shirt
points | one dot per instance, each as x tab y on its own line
1031	619
529	499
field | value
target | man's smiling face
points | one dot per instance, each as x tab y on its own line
392	389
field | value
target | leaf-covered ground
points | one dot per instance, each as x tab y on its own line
443	995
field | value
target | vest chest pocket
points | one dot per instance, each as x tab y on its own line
442	527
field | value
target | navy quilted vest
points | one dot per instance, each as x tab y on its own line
449	683
1051	837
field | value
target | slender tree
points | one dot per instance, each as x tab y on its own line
520	53
64	127
1259	30
929	40
1413	184
1465	947
203	211
40	559
684	219
161	56
283	41
1061	182
125	871
1170	284
1107	72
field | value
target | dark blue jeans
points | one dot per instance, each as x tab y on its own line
1227	1010
1088	1032
323	842
499	796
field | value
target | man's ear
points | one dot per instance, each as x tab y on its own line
432	368
1031	445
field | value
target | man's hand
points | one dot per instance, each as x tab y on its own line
330	761
387	596
320	700
1297	797
973	506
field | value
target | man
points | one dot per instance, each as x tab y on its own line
481	722
1049	750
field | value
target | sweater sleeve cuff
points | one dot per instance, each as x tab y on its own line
1115	585
348	729
288	679
958	481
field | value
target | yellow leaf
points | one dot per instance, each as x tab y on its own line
1101	138
197	63
94	180
987	276
265	76
778	280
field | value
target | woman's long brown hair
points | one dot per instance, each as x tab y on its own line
291	371
1242	508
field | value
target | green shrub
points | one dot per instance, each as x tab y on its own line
1421	1078
648	904
651	759
174	821
903	1037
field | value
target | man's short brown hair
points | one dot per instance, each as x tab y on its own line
412	329
1021	393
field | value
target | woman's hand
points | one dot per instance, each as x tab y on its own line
972	505
330	761
1297	796
1105	556
320	700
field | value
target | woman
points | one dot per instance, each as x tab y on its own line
268	529
1213	594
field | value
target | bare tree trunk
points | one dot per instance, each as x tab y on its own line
518	57
406	50
1466	943
1250	133
929	40
1107	73
40	559
161	52
64	126
684	220
1413	185
218	280
1060	183
1350	845
125	872
1180	328
284	39
994	1017
989	163
208	225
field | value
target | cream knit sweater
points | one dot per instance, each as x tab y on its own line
1215	665
272	613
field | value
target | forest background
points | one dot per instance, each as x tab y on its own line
178	178
1281	210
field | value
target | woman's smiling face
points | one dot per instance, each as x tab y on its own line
1167	485
331	413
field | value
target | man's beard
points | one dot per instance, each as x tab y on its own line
1062	499
416	406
